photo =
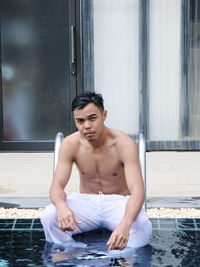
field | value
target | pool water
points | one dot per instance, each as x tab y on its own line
174	242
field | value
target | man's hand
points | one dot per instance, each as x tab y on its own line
119	237
67	220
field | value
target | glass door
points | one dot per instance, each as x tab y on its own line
39	71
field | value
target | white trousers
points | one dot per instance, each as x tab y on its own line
94	212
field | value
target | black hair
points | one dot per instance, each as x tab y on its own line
82	100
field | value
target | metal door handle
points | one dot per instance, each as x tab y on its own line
72	44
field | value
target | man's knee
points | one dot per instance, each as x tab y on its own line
141	230
142	219
49	215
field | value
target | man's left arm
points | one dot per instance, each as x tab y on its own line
129	155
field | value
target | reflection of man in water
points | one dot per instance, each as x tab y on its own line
111	185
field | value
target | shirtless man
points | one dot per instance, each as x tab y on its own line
111	185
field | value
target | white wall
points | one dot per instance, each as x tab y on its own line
164	69
116	61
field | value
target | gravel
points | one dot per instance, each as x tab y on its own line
15	213
174	213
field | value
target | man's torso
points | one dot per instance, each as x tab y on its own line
101	169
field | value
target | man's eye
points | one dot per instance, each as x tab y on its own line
93	118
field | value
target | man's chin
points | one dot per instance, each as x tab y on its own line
90	138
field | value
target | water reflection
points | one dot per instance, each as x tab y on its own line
176	248
95	253
167	248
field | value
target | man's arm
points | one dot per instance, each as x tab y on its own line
129	154
66	218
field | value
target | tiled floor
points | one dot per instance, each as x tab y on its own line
176	224
20	225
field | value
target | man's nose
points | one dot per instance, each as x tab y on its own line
87	125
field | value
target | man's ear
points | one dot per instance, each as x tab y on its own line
104	115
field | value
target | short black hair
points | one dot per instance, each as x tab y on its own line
82	100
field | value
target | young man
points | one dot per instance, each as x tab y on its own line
111	185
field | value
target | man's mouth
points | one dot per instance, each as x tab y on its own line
89	134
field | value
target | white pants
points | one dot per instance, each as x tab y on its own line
96	211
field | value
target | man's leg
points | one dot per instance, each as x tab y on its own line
50	225
141	229
84	210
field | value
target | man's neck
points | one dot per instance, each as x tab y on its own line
100	142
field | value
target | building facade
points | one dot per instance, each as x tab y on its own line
142	55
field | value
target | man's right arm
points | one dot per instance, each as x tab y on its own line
66	218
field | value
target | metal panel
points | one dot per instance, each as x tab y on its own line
184	68
143	67
173	145
87	45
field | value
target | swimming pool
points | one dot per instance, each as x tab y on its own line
174	242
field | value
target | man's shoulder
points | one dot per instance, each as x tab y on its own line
71	140
121	137
70	146
125	145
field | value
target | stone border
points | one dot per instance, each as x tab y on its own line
16	213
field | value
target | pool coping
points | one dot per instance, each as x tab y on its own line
165	224
151	202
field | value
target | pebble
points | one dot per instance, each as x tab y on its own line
15	213
173	213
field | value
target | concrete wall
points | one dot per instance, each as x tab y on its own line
172	174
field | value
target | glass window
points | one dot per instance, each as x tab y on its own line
193	89
35	69
174	70
164	69
116	61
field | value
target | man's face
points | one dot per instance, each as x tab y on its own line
90	121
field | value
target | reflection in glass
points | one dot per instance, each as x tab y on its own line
35	71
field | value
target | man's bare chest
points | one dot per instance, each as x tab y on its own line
103	164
